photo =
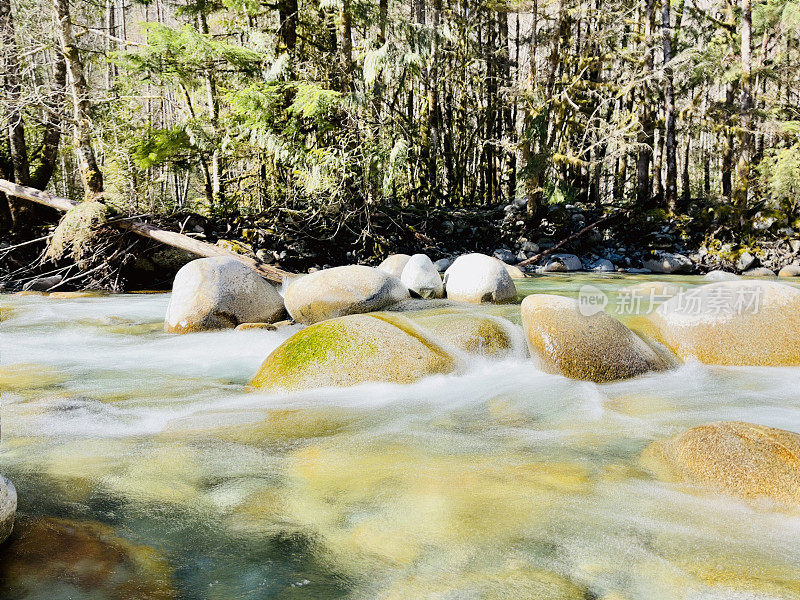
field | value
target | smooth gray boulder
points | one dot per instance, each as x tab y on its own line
718	275
759	272
479	278
342	291
442	264
602	265
394	264
421	277
8	507
220	293
42	284
668	262
562	263
789	271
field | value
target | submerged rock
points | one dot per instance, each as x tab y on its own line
394	264
47	557
473	333
733	323
668	262
421	277
595	348
220	293
740	459
479	278
8	507
352	350
342	291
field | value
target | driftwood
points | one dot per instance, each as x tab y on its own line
537	257
170	238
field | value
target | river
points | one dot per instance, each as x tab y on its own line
498	481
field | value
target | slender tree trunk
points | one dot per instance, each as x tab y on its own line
727	150
288	14
346	45
670	143
645	137
746	108
90	172
45	165
212	104
13	92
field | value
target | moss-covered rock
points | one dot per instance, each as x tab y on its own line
734	323
341	291
55	558
220	293
740	459
470	332
352	350
594	348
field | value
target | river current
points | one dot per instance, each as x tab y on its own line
496	482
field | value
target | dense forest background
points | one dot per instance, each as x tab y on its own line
329	112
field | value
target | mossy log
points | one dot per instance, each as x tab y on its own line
170	238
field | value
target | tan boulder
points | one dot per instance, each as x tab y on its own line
352	350
734	323
220	293
341	291
394	264
595	348
740	459
789	271
421	277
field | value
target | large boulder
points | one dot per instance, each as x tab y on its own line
479	278
473	333
668	262
352	350
341	291
759	272
421	277
394	264
220	293
8	507
740	459
733	323
593	347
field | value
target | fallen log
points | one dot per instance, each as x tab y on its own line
170	238
537	257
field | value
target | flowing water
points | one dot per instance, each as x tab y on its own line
169	479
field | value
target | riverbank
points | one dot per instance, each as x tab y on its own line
644	241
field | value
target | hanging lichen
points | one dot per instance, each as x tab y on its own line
78	231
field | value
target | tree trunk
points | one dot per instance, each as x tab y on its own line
90	172
645	137
670	144
746	108
287	14
13	93
346	45
727	151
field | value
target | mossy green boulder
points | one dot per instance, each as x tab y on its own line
352	350
733	323
740	459
593	347
473	333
